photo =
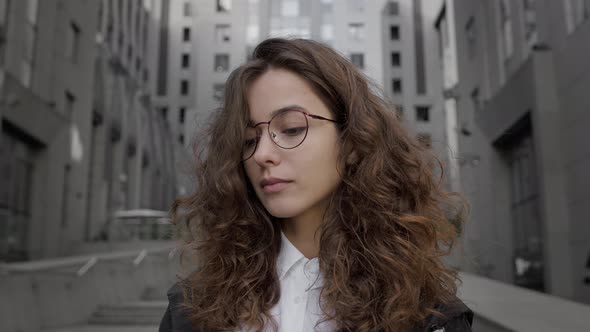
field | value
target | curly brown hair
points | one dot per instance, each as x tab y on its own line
382	237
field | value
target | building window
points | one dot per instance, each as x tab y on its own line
358	59
186	34
396	86
186	60
529	11
221	62
120	41
525	207
184	87
400	111
164	112
356	5
32	7
471	36
17	159
129	52
425	139
477	106
187	9
396	59
356	31
30	41
506	28
394	32
73	42
218	91
222	33
422	113
181	114
27	61
392	8
70	102
576	12
223	6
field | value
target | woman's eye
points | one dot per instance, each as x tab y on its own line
294	131
249	142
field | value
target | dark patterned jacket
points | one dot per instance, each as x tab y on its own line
458	317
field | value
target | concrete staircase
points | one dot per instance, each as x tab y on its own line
143	315
131	313
147	311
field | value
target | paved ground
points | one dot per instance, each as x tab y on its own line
105	328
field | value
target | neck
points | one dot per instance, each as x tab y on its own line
301	230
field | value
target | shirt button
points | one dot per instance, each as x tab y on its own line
298	299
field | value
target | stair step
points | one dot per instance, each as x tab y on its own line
137	304
130	320
130	313
154	294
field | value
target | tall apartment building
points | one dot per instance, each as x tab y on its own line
46	68
351	27
412	72
200	43
206	39
80	138
521	79
132	146
175	78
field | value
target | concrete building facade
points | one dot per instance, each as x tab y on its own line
175	78
221	26
412	72
133	153
522	106
199	43
80	138
47	61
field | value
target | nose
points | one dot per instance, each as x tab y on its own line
267	152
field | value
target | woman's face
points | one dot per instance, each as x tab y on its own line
308	174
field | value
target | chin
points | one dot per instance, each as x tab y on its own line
282	210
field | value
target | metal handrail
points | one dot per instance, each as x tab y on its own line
87	262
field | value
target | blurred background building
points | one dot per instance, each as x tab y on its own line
100	102
47	69
80	138
516	74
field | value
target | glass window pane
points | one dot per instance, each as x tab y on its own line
222	33
221	62
358	59
356	31
218	90
223	6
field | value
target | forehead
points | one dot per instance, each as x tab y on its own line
277	89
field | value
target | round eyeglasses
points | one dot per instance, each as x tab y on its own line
287	129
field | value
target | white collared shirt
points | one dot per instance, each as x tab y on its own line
298	309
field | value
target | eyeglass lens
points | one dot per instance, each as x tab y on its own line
287	130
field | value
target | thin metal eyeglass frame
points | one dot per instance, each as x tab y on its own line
305	113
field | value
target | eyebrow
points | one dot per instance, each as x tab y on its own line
279	111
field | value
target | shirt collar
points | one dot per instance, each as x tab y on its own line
288	256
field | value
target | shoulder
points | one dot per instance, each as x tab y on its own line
456	316
175	318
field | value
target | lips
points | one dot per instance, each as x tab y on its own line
272	185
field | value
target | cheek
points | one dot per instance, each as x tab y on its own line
318	163
250	171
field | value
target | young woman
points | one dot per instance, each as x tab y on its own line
315	209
